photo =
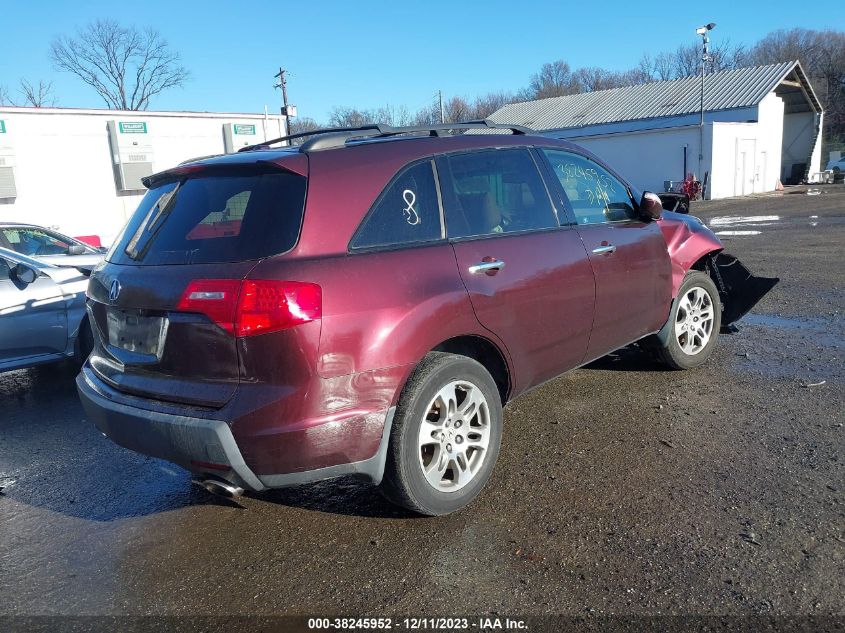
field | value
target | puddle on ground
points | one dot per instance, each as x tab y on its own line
804	349
780	322
744	220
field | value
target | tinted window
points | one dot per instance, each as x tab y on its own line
407	211
595	195
4	270
214	218
35	242
498	191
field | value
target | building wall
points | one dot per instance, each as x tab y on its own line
741	154
770	142
64	168
798	131
729	142
663	148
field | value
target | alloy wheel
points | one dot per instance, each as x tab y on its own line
454	436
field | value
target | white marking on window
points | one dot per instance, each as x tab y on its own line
411	215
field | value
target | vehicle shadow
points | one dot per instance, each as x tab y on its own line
629	358
53	458
346	496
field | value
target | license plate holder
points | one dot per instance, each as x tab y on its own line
128	330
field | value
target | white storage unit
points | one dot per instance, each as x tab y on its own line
239	135
761	125
8	190
80	171
132	153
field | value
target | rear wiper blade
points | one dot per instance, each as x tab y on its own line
143	237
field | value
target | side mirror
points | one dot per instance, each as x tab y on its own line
76	249
650	206
24	274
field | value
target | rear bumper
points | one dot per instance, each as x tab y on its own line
196	443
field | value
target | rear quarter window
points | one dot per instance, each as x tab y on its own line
407	211
214	218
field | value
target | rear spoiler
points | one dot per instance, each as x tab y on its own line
294	164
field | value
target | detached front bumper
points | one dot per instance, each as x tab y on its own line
195	443
739	289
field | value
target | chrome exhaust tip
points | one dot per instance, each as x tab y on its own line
220	487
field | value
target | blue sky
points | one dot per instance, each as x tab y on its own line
372	53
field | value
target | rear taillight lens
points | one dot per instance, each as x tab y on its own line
255	306
215	298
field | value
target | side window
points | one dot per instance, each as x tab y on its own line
596	195
4	270
35	242
497	191
407	211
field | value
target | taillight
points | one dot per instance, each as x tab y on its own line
215	298
255	306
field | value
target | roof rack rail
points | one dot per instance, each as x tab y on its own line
328	138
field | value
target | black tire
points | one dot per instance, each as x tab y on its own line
404	482
667	348
84	341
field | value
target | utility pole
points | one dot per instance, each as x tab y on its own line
285	110
705	57
442	114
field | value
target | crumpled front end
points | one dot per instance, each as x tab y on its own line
739	289
693	246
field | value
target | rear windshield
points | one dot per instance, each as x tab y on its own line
214	218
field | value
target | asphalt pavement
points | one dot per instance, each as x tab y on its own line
621	488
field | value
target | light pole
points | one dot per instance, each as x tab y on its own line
705	57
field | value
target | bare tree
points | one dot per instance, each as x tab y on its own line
303	124
555	79
487	104
5	98
342	116
126	66
39	95
822	55
657	68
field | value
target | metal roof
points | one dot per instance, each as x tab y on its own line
725	90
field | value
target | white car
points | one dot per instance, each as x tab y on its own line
837	166
49	246
42	312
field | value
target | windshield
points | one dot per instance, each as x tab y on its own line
214	218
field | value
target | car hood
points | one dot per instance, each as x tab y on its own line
87	261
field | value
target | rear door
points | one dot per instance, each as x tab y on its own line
628	255
33	317
213	224
528	278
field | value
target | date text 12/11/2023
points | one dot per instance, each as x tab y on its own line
419	624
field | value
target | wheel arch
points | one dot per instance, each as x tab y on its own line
485	352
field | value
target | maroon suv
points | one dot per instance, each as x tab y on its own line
366	304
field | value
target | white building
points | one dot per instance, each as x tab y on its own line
761	125
80	171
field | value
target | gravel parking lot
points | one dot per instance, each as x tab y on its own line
621	488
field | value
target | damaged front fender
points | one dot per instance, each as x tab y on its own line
738	288
693	246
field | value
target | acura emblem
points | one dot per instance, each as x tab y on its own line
114	292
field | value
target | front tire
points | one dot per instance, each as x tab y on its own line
694	324
445	437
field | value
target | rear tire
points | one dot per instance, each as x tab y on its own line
693	325
445	437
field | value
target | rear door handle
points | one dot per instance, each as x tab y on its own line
486	267
605	250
